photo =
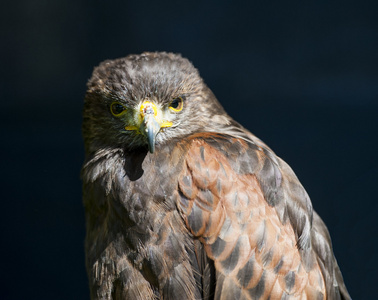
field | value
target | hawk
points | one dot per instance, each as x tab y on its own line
182	202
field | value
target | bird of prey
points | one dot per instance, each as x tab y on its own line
182	202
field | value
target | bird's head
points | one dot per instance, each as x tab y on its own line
145	100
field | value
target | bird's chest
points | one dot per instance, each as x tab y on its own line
143	192
143	211
132	212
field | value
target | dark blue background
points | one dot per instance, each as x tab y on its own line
301	76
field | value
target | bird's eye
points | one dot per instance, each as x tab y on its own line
177	104
117	109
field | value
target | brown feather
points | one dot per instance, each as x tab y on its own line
249	237
213	213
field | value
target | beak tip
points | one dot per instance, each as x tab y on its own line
151	148
151	139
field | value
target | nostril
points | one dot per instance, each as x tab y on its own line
148	110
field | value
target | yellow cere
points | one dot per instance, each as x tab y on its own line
143	110
147	104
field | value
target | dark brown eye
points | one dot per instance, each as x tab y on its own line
177	104
117	109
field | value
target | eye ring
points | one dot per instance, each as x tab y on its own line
117	109
177	104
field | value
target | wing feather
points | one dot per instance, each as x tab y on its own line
253	218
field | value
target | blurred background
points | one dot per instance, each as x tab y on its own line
301	76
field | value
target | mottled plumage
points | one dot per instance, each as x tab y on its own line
182	202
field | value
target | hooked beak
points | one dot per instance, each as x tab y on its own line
148	121
150	128
151	122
